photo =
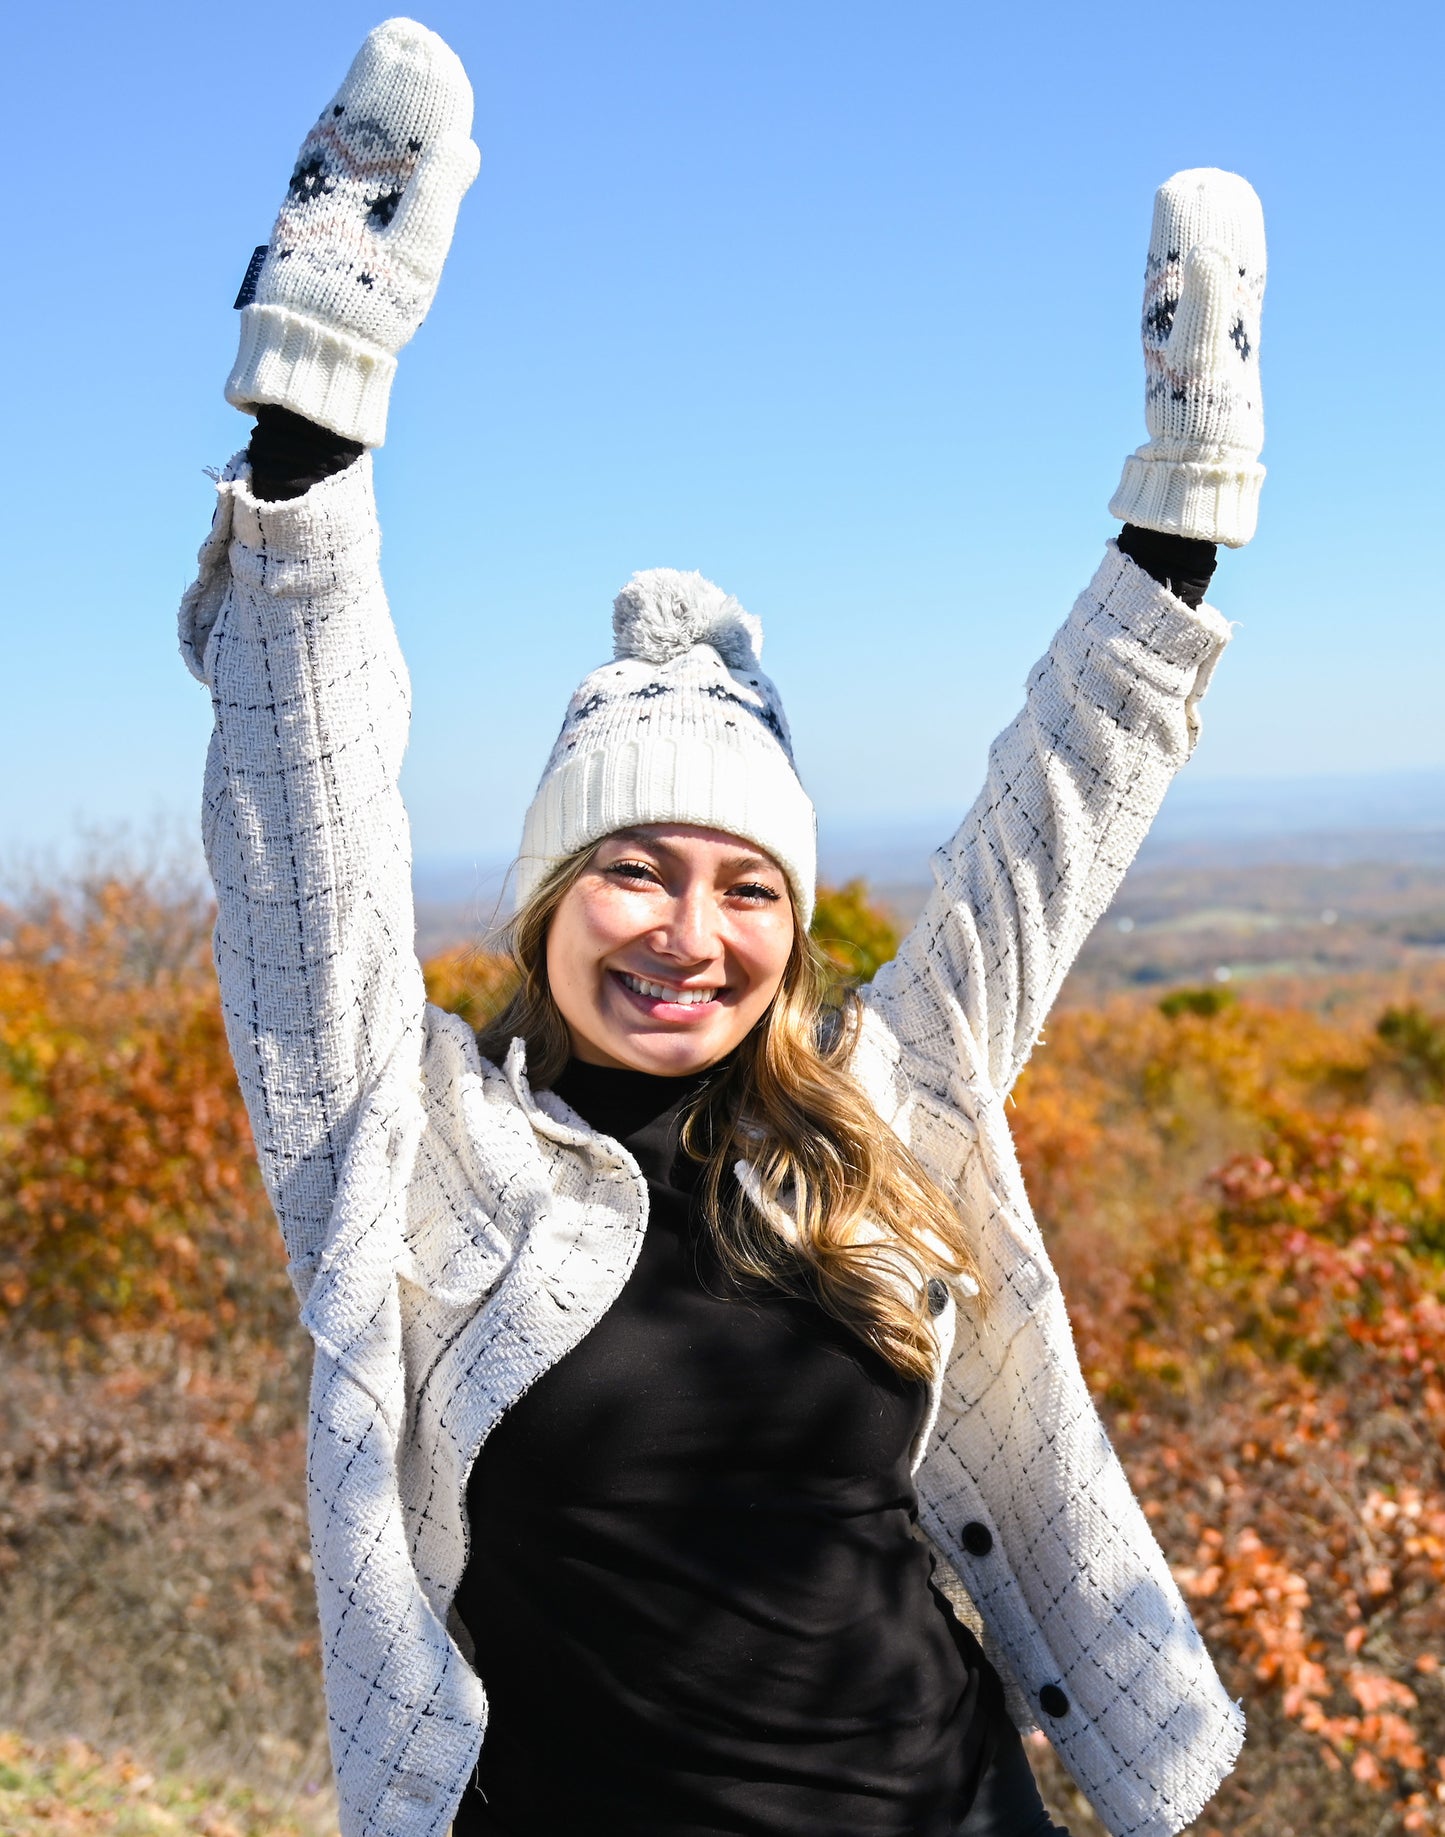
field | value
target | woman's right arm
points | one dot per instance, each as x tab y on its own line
304	828
288	626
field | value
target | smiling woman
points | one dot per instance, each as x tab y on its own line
669	1333
668	947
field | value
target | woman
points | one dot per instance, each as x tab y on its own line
664	1343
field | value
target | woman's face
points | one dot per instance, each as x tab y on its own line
668	949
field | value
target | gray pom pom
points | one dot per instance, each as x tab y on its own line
663	612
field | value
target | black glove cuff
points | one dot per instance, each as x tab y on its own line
288	454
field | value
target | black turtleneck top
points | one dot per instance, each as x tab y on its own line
698	1603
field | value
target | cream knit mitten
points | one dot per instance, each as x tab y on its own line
357	250
1199	473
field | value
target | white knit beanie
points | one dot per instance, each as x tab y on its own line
682	727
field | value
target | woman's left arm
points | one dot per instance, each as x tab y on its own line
1073	784
1112	710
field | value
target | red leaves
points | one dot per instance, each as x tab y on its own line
1248	1210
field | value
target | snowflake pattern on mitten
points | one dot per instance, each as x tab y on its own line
357	250
1199	473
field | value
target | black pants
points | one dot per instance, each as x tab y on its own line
1007	1803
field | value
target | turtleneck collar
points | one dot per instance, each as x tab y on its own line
621	1103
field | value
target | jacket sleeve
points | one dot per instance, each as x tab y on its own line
1073	784
304	829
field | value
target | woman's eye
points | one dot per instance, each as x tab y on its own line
632	870
754	889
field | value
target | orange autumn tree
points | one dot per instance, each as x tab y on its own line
467	980
129	1195
857	936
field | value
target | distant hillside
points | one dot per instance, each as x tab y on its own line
1316	921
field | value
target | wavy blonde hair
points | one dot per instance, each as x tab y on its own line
868	1226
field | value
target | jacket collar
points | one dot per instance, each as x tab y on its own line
551	1117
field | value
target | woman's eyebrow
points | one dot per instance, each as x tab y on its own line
732	864
635	839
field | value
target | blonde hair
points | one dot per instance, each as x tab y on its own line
867	1226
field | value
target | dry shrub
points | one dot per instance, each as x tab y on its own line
154	1572
856	936
1249	1205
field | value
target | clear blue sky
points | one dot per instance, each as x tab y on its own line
835	302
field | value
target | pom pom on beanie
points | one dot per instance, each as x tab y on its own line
663	612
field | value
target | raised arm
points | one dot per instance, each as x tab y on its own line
1073	784
1112	710
288	626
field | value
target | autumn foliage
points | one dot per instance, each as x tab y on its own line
1248	1205
854	934
1245	1197
128	1189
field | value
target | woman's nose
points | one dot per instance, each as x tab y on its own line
690	931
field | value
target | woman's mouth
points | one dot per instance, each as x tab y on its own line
657	996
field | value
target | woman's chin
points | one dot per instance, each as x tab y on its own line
669	1055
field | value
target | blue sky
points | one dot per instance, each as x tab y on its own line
837	303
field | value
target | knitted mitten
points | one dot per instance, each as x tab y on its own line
1199	474
357	250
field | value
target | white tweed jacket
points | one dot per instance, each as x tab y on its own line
452	1233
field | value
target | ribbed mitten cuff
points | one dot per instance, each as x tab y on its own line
322	374
1208	501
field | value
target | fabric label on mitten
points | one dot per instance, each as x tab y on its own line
253	274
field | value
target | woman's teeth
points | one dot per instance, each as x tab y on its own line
685	998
